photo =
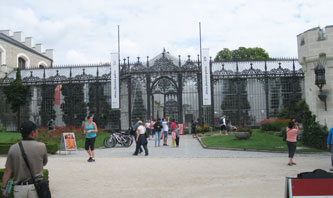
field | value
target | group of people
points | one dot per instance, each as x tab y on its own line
158	129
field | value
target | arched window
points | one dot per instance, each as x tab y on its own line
21	63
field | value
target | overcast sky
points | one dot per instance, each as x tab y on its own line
85	31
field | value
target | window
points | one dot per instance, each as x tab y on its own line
21	63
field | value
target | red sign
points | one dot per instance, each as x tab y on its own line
310	187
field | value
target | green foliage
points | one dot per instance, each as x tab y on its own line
52	147
294	109
207	128
16	92
4	147
198	129
2	128
314	134
274	126
242	53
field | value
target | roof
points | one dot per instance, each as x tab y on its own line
21	45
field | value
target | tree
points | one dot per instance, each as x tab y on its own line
16	94
242	53
139	110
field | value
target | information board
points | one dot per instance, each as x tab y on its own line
68	142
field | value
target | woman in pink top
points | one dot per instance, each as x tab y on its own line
291	140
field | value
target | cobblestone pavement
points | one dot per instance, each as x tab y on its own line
189	148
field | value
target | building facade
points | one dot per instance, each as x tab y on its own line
315	47
18	52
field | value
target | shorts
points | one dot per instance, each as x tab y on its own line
165	133
223	128
90	143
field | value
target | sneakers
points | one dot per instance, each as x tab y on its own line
91	159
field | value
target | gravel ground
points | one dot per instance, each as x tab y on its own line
187	171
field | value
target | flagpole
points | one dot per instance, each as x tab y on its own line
118	46
200	42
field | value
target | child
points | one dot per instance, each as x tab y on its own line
173	135
177	135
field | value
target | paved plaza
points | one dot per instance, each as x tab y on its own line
187	171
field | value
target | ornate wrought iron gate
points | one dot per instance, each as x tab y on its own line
245	94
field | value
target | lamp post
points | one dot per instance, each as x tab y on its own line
320	81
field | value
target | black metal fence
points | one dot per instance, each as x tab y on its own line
246	92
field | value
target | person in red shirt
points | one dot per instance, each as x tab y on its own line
292	131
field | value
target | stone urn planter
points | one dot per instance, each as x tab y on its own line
242	135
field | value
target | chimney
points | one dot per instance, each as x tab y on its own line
6	32
29	41
18	36
39	47
49	53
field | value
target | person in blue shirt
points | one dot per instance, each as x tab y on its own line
90	129
329	146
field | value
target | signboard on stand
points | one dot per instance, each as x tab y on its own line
68	142
302	188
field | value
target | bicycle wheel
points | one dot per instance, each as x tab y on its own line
109	142
128	141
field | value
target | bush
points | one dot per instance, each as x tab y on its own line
314	134
273	124
52	147
198	129
207	128
2	128
244	130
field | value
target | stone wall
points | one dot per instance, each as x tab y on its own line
317	45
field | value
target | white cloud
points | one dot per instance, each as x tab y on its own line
86	31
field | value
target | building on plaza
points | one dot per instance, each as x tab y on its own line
18	52
315	50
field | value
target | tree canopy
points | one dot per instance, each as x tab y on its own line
242	53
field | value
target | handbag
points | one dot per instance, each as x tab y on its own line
42	187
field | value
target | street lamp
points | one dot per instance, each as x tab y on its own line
320	81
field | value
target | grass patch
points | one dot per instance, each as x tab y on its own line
258	141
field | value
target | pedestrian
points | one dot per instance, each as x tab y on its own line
51	124
193	128
36	155
329	146
177	135
292	131
91	131
147	125
173	137
135	128
157	129
152	128
165	125
141	139
223	125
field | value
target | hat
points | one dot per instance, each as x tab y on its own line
27	127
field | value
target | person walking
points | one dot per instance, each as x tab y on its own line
147	125
141	139
292	131
223	125
157	130
152	128
165	125
193	128
329	146
37	156
177	135
91	131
